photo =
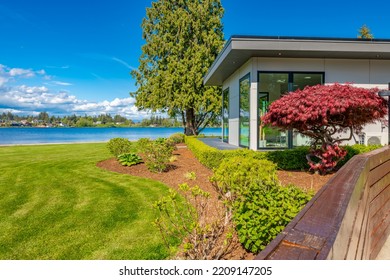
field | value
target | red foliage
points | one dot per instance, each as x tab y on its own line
322	112
329	156
338	105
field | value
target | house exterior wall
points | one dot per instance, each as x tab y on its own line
363	73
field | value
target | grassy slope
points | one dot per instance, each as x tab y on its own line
56	204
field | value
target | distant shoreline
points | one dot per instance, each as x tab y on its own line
56	143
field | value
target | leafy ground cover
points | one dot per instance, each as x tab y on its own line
55	203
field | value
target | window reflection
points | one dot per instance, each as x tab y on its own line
272	86
225	115
244	111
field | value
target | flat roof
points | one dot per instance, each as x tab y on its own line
239	49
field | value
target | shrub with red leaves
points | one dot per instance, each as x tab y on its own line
329	156
323	112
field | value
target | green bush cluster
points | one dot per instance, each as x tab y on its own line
292	159
157	154
142	143
263	213
261	206
355	150
118	146
177	138
129	159
239	174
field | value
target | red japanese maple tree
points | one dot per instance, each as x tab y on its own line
325	113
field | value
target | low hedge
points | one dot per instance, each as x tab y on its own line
292	159
208	156
355	150
211	157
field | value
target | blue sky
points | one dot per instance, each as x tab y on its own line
75	56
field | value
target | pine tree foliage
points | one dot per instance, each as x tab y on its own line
365	33
183	37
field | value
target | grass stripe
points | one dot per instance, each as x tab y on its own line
56	204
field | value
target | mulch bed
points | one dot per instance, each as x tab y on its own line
186	162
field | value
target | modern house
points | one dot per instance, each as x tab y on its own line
254	71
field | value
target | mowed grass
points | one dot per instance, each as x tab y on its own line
56	204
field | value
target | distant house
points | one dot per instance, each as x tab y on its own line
254	71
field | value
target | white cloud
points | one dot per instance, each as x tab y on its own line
62	83
121	106
28	73
3	80
123	63
7	73
27	100
58	67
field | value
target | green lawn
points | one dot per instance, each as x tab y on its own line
56	204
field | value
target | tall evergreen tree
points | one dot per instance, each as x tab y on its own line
183	37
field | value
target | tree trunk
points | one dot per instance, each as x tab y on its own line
190	128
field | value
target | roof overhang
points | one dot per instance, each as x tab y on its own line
239	49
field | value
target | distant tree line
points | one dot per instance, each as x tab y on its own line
43	119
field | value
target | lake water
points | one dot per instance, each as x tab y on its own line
78	135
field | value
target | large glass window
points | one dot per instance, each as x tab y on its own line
272	85
244	110
300	81
225	115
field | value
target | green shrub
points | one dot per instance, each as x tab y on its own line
118	146
203	152
263	213
209	156
293	159
355	150
177	138
261	207
160	140
141	144
238	174
190	175
157	154
129	159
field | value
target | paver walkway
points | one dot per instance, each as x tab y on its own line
217	143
